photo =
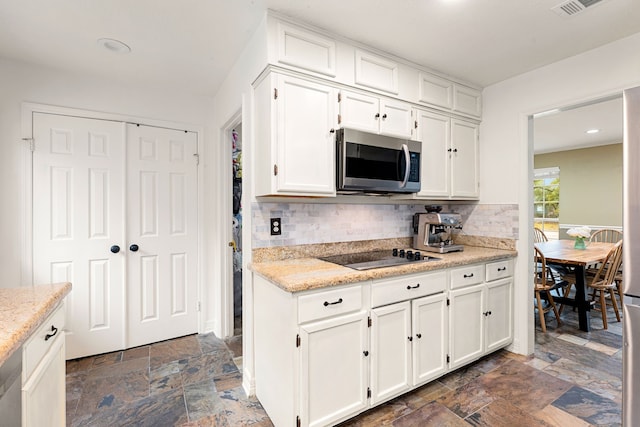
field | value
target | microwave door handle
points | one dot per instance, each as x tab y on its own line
407	168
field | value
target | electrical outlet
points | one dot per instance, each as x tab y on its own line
276	227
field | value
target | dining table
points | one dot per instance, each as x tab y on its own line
563	253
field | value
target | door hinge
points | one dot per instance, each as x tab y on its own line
275	93
31	143
448	302
448	358
369	321
298	340
339	118
298	421
339	97
197	156
275	169
368	393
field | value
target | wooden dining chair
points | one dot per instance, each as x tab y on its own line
606	235
605	281
544	281
539	236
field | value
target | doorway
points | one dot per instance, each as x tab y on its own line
115	213
583	167
236	228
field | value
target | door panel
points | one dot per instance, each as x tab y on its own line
79	213
162	222
334	369
430	328
78	169
390	351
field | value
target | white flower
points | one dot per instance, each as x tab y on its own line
583	231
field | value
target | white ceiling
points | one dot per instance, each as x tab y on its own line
566	130
190	45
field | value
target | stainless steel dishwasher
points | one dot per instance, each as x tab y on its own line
11	390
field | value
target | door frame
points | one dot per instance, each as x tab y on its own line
227	314
26	134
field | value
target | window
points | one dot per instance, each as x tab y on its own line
546	200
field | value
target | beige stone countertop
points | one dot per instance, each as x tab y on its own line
22	311
302	274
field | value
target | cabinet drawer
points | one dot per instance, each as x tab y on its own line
466	276
38	344
329	303
388	291
499	269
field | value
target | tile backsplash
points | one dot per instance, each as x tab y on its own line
310	223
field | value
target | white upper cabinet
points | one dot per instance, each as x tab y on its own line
295	121
434	132
464	160
359	111
375	114
449	157
440	92
467	100
305	49
435	90
374	71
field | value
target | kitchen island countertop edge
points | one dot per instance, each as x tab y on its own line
23	310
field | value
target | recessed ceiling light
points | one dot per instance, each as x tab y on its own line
593	131
114	45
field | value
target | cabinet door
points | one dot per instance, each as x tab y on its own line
430	328
434	132
43	395
464	159
466	325
334	369
390	351
305	114
467	100
499	314
395	118
358	111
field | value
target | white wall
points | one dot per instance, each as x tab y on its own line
504	142
234	95
22	82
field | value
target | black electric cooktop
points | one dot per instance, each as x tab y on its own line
379	259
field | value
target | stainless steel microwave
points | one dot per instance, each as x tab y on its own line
374	163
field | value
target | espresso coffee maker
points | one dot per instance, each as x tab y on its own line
432	231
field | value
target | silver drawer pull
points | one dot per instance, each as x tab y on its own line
54	331
326	303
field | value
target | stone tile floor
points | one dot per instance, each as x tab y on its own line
573	379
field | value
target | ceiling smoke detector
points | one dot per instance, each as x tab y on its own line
573	7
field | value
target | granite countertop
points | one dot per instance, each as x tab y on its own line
22	311
302	274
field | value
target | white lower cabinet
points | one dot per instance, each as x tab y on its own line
430	339
480	315
324	356
43	374
334	369
390	351
408	338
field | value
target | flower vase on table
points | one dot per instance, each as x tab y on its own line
580	234
579	243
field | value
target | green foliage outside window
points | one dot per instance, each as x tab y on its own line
546	202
